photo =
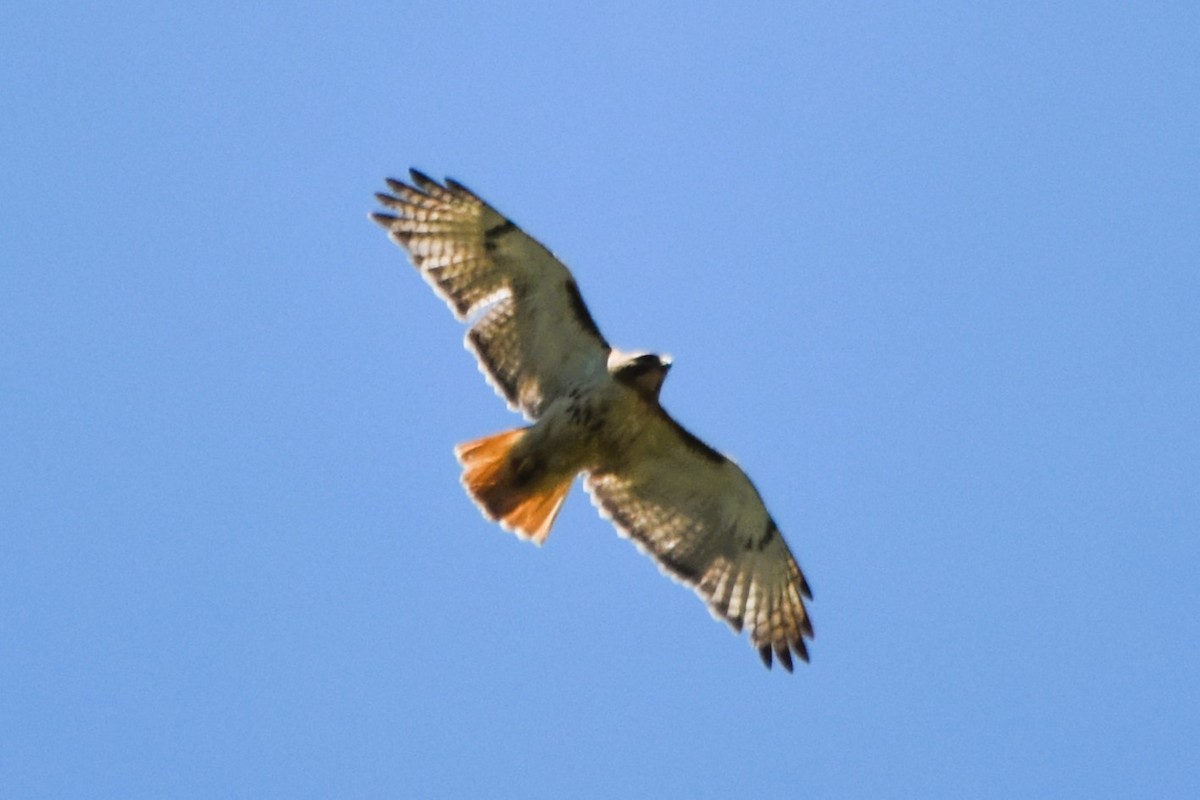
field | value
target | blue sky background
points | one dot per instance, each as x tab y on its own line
930	272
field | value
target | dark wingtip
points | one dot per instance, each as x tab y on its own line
388	200
420	178
458	187
395	185
383	220
801	649
784	655
764	653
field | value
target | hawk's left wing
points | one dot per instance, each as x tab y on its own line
696	513
536	337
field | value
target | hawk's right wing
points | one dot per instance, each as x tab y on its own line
535	338
696	513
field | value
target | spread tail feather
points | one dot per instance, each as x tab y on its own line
508	491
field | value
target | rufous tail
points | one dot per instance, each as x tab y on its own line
511	491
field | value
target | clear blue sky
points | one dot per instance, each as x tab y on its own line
930	272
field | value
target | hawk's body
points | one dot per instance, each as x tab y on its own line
595	411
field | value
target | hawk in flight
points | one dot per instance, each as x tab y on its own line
594	410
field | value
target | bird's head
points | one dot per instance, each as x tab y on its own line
643	372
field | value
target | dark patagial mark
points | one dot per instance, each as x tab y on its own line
768	534
694	443
495	232
500	230
582	315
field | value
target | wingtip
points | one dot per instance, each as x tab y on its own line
420	178
784	656
455	186
388	200
781	652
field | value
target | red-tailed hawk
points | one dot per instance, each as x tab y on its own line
595	410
